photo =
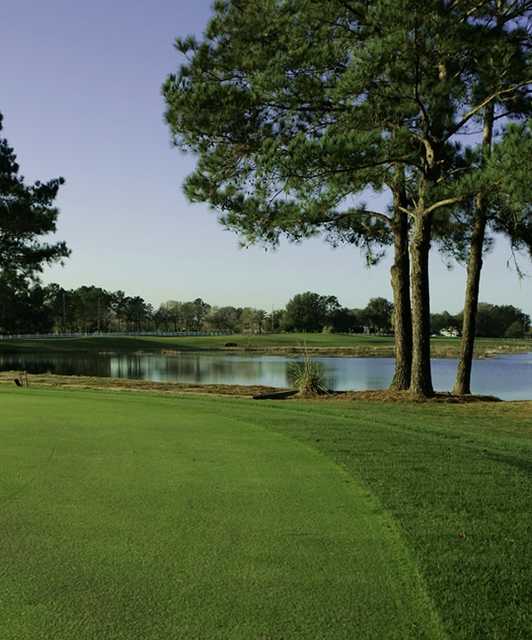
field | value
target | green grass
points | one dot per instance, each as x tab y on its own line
342	343
458	481
196	342
142	516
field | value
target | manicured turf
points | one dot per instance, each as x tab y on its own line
128	516
342	343
138	516
197	342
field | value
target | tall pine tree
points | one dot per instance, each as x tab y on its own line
507	53
27	216
295	108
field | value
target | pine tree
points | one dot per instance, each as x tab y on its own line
27	215
502	18
295	108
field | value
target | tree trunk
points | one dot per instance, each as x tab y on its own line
462	384
421	380
401	299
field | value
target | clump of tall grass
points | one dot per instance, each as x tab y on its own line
308	377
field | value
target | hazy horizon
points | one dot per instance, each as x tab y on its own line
85	104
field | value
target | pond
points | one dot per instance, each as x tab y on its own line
508	377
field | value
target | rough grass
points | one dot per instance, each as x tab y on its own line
458	480
129	516
331	344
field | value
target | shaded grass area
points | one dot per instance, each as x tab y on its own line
458	480
132	516
340	344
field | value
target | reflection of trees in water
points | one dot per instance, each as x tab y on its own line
200	368
357	373
61	364
193	368
126	366
246	368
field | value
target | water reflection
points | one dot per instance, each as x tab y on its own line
508	377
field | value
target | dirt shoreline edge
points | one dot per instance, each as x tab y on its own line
52	381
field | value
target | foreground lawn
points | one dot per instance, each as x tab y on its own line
128	516
343	344
142	516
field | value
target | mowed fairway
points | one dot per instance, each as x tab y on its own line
128	515
143	517
332	343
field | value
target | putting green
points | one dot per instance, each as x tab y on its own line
145	517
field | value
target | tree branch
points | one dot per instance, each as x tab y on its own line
483	104
359	212
444	203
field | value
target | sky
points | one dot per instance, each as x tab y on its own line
81	98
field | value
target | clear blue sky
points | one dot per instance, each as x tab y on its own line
81	98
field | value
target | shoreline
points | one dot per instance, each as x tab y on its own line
360	351
252	392
437	351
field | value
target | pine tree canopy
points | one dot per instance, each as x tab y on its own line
27	213
295	108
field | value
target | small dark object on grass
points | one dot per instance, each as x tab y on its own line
230	344
23	381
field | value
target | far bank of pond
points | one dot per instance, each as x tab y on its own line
287	344
507	376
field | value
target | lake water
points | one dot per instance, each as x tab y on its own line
508	377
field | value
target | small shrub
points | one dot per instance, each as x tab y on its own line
308	376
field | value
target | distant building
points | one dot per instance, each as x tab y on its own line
450	332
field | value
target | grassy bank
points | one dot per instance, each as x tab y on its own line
147	516
327	344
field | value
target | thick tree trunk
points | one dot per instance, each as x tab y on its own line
462	384
401	299
421	379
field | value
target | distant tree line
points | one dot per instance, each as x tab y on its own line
312	312
493	321
87	309
91	309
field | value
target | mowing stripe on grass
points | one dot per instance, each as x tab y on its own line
133	516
